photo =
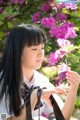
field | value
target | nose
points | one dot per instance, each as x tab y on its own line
41	53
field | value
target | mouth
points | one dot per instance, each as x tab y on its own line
39	60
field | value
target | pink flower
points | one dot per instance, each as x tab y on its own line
48	22
53	32
17	1
13	1
70	33
63	42
67	24
45	7
55	57
61	74
60	77
63	68
1	1
35	17
62	5
61	17
71	6
58	31
44	115
21	1
1	10
50	1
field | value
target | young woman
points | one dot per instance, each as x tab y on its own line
23	54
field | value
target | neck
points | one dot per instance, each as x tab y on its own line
28	73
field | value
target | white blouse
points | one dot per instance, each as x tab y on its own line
37	80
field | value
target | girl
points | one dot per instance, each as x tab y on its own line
23	54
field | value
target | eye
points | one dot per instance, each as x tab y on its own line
34	49
42	48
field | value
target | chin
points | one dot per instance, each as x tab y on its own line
38	67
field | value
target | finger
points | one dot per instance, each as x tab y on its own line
62	91
75	79
47	92
66	87
73	74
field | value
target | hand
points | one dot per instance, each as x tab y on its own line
62	89
58	90
73	79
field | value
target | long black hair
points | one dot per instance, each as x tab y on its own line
10	66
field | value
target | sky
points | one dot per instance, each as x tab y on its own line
69	1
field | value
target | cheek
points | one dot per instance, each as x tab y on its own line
28	59
23	59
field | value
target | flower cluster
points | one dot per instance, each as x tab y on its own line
71	6
45	7
63	42
61	17
55	56
35	17
67	27
48	22
1	1
61	73
60	29
65	47
17	1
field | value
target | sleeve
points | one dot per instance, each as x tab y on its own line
42	80
4	114
3	110
48	84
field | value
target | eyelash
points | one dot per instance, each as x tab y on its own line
36	49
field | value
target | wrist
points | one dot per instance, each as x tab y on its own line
74	88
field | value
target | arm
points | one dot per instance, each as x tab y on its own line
68	107
33	99
74	80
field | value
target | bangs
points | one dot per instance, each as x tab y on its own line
34	35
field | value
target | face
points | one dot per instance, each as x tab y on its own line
32	57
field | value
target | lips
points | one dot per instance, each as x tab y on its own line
40	60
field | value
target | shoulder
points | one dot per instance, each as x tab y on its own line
42	80
40	76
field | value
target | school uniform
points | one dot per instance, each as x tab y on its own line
37	80
42	81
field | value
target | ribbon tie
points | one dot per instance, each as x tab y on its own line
26	92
